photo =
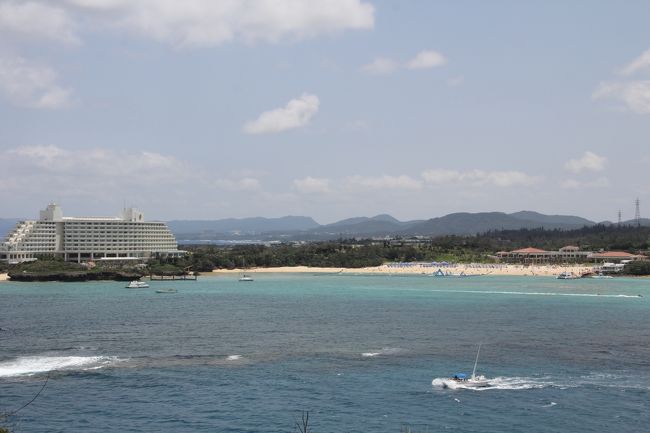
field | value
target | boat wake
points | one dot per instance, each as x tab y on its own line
501	292
32	365
386	351
507	383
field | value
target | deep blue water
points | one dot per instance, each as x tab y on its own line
358	352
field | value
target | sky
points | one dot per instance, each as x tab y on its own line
332	109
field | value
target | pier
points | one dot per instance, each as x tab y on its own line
193	277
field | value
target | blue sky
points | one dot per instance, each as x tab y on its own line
326	108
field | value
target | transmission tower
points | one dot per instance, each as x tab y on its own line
637	213
619	217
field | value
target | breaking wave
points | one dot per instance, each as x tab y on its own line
31	365
501	292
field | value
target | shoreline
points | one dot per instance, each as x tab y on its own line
420	269
4	277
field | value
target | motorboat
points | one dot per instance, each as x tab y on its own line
566	276
471	381
137	284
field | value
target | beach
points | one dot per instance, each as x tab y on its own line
427	268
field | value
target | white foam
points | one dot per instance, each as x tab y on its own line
383	352
500	292
233	357
508	383
30	365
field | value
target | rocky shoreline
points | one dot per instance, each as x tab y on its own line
74	276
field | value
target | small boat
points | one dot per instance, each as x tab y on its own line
136	284
566	276
243	276
472	381
168	290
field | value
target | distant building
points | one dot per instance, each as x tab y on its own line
128	237
615	257
568	254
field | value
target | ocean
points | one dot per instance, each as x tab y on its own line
358	353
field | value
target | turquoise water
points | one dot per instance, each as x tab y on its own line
360	353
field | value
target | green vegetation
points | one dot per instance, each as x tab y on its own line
638	268
351	253
594	238
50	269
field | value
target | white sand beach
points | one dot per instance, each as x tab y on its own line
422	268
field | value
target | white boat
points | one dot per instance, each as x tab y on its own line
243	276
567	276
136	284
472	381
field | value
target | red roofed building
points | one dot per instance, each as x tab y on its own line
615	256
532	255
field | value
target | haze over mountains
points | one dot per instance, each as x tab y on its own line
305	228
293	228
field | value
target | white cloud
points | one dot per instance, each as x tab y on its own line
86	172
97	161
43	154
209	23
602	182
589	161
478	177
30	85
245	184
441	176
423	60
386	182
426	59
640	64
380	66
635	95
295	114
456	81
310	185
37	21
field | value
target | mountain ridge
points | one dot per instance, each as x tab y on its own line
306	228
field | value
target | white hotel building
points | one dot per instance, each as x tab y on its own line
128	237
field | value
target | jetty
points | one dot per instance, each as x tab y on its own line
184	277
